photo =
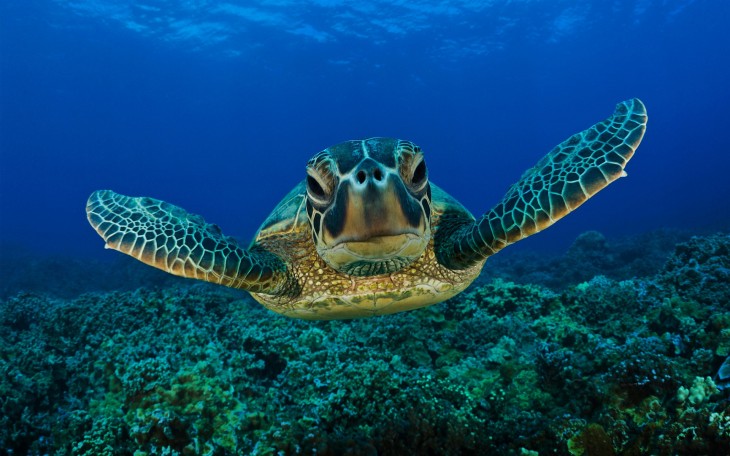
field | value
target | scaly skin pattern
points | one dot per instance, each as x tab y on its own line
568	176
169	238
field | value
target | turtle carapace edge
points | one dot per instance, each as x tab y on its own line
366	233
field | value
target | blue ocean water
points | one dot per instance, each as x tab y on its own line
216	106
606	334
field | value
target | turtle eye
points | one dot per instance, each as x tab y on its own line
314	187
419	174
319	188
413	171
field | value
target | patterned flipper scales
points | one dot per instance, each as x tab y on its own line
169	238
571	173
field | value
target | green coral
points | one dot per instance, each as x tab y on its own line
591	441
604	367
700	391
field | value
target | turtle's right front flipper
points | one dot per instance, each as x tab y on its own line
169	238
572	172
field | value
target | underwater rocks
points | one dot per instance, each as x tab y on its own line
598	368
590	255
700	269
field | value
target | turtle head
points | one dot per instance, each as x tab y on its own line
369	205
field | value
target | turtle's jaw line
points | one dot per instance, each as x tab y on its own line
378	239
376	255
378	247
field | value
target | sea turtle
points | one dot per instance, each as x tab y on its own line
366	233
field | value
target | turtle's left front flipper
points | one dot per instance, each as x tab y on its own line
564	179
169	238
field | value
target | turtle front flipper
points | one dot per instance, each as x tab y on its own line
169	238
571	173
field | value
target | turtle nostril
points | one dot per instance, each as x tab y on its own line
360	176
377	174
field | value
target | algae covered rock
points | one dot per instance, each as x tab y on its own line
700	269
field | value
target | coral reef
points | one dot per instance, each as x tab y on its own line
603	367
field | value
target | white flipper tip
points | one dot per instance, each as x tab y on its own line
623	174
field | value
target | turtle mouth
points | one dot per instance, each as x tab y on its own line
377	254
381	247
